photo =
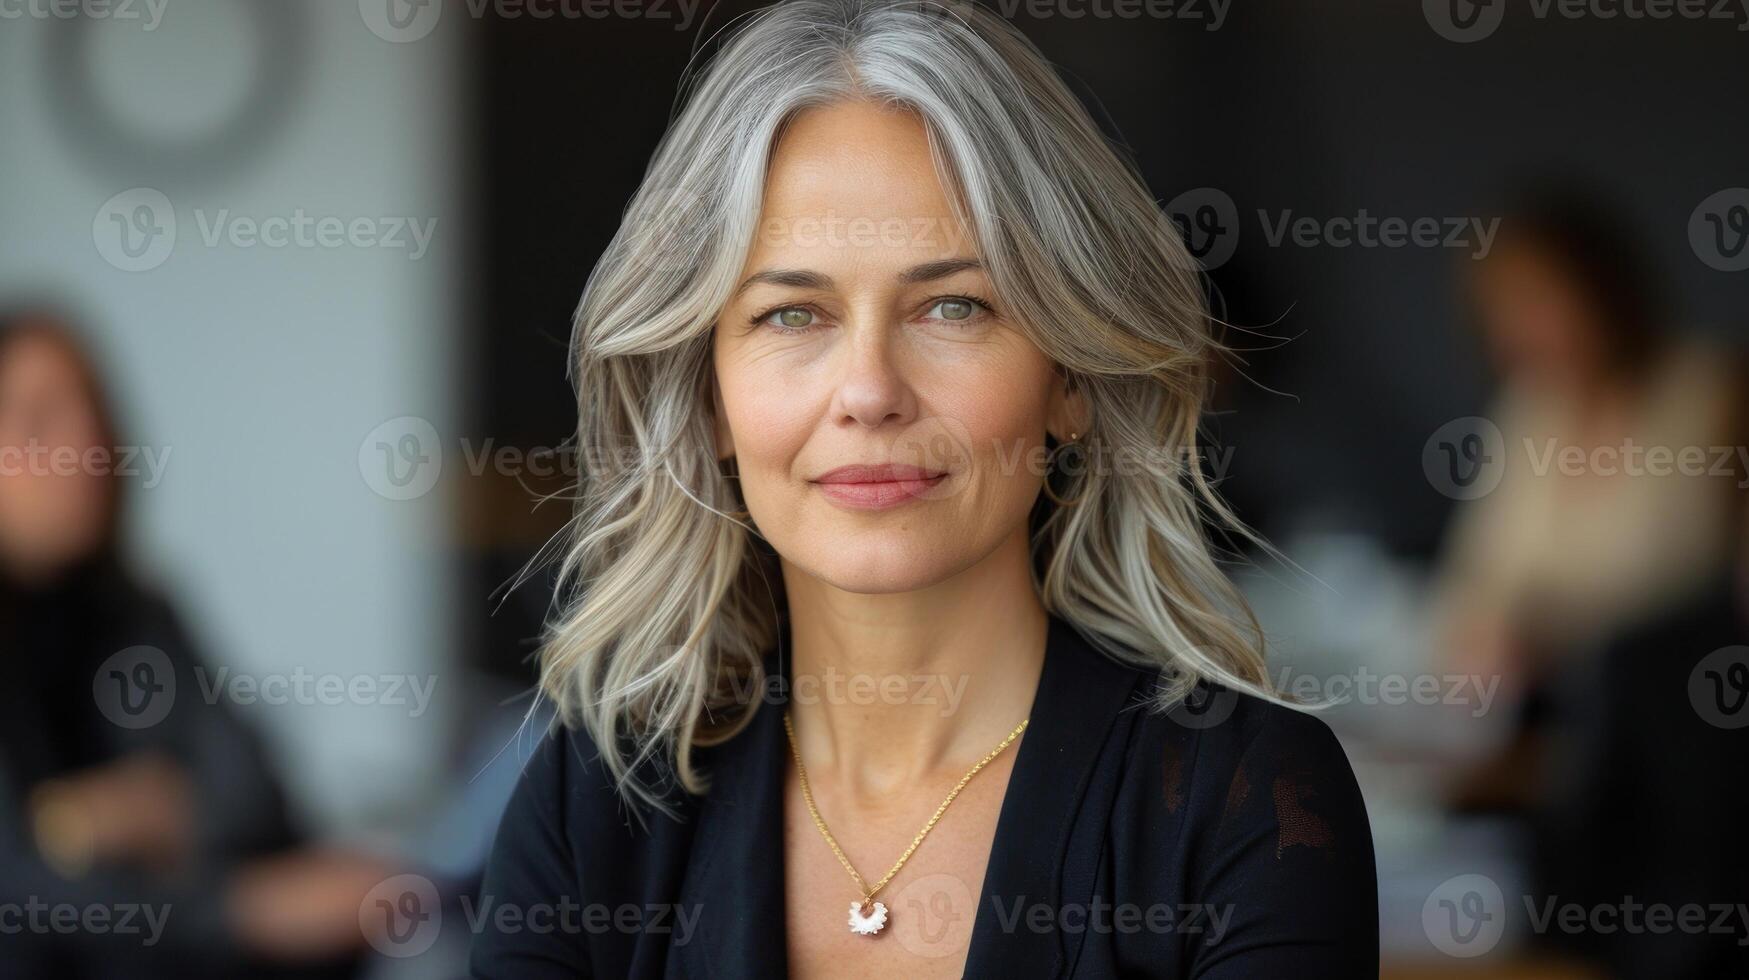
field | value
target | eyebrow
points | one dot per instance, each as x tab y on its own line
809	279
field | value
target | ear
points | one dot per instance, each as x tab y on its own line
1069	413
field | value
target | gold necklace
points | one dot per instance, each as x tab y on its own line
870	922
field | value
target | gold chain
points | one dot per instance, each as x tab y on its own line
868	893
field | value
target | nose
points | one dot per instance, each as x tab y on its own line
872	389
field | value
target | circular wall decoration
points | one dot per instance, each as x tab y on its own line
116	100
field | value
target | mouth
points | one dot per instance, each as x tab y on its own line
878	487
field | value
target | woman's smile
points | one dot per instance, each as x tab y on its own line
861	487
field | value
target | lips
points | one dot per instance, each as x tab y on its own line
885	473
877	487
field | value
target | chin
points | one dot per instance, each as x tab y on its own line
884	562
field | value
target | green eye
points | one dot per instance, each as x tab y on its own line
794	318
955	309
960	310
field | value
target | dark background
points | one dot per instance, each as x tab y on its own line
1321	109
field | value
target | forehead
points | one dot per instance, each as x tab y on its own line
33	353
1516	263
854	184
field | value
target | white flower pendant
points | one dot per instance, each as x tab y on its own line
870	923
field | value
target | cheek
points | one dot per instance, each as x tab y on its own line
1003	412
769	421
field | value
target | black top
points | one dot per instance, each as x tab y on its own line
1224	842
66	645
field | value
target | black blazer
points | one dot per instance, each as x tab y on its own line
1225	841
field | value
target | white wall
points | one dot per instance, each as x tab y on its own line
262	369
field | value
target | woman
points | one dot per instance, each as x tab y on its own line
124	796
1612	504
892	584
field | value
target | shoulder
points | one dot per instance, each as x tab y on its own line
567	790
1218	756
534	861
1242	774
134	613
1257	817
1232	735
568	839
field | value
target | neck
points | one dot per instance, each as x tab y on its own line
892	688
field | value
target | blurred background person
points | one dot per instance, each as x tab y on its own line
1591	526
1615	603
123	783
1592	580
120	786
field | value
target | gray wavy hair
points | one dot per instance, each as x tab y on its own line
667	602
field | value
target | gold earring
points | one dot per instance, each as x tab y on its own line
1053	463
733	477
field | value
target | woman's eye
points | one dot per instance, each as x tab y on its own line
791	318
959	310
956	309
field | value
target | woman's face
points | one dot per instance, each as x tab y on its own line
1537	321
886	417
54	493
